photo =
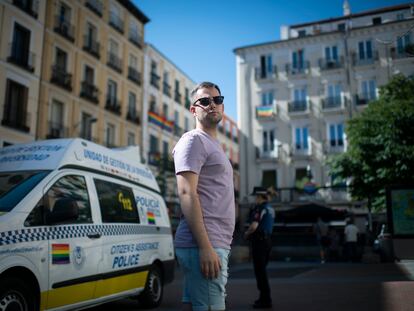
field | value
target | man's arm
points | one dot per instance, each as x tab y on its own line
191	208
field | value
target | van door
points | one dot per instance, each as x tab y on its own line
122	268
74	241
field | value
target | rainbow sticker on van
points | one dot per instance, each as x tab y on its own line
151	218
60	254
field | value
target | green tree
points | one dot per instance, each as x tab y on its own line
380	144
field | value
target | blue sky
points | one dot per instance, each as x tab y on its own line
199	36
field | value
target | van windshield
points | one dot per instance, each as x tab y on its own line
14	186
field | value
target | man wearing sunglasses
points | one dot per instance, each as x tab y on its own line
205	187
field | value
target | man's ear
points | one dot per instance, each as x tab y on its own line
192	109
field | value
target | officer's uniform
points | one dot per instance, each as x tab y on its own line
261	247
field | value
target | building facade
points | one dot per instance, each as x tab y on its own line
296	94
84	62
21	48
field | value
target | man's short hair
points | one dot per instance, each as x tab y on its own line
203	85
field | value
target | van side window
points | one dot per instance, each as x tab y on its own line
117	202
71	187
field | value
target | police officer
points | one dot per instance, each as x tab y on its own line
259	233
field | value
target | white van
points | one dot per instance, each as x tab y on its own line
80	225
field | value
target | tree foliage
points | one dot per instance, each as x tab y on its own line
380	144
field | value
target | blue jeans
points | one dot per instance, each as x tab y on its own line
203	294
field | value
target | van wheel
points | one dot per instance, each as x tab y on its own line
152	295
15	296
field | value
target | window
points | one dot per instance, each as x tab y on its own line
267	98
176	118
56	122
91	34
342	27
298	59
89	75
331	53
112	90
70	187
301	138
133	61
20	46
369	90
300	95
269	178
403	42
266	66
134	32
110	135
132	104
15	105
131	139
153	143
113	47
165	149
165	110
268	142
336	135
365	50
117	202
302	33
376	21
61	60
64	13
186	124
400	16
334	94
86	126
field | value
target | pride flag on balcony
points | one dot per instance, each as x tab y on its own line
264	111
160	121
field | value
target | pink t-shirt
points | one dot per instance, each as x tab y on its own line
200	153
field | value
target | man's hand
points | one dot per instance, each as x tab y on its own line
210	263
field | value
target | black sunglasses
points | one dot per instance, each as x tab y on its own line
206	101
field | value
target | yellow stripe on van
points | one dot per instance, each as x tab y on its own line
76	293
70	294
120	283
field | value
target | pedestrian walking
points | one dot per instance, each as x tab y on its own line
259	233
205	187
351	238
320	229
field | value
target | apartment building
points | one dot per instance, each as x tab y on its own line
21	33
296	94
71	68
166	116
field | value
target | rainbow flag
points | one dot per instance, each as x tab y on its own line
151	218
60	254
264	111
156	119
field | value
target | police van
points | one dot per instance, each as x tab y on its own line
80	225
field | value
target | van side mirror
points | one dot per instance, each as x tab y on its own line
64	210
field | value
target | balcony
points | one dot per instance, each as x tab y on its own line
162	162
134	75
330	103
298	69
21	59
357	61
177	97
91	46
267	112
113	104
133	116
261	74
268	155
155	80
114	62
89	92
64	28
61	78
363	99
56	130
406	52
95	6
19	122
325	64
299	106
29	7
116	22
166	89
135	39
